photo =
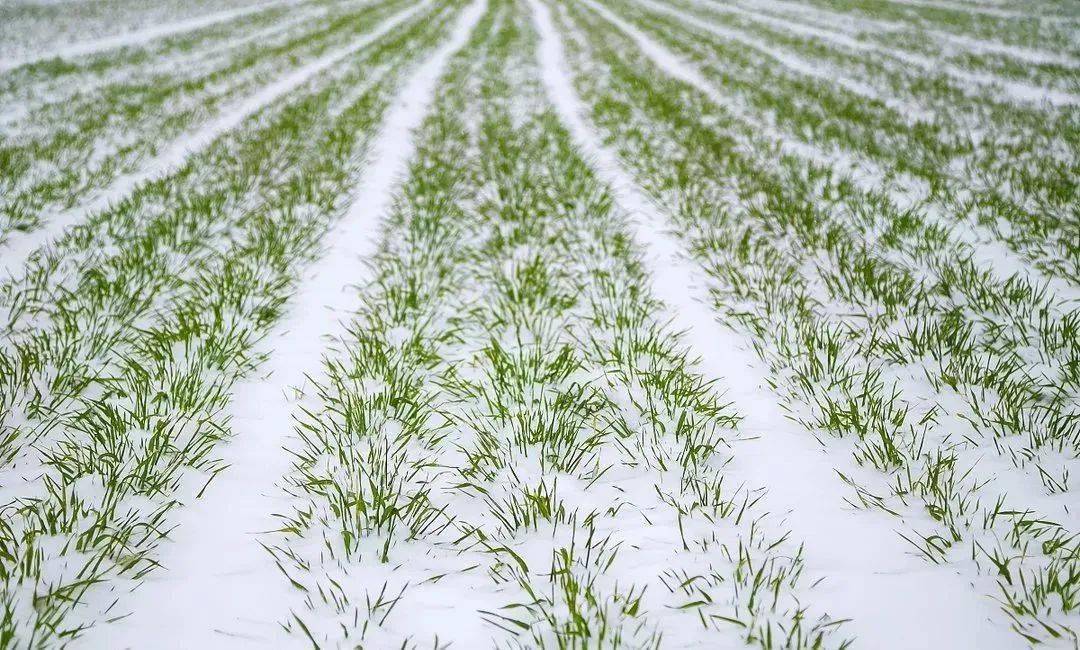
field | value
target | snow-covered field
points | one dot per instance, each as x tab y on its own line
540	324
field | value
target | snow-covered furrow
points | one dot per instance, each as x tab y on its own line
856	26
242	283
979	9
173	155
868	571
1009	88
19	107
216	575
794	63
869	175
717	245
84	48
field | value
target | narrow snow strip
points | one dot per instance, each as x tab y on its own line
872	576
219	587
1013	90
860	24
140	37
19	248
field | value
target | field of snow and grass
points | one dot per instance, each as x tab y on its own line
575	324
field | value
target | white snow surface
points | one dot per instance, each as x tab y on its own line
142	36
976	9
218	586
19	248
853	24
796	64
1009	89
867	174
871	575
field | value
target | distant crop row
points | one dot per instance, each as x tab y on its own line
511	444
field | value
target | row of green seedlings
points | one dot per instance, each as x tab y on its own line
117	372
507	419
77	147
35	83
104	129
1044	26
914	40
27	28
196	52
975	160
922	251
917	248
1025	188
857	337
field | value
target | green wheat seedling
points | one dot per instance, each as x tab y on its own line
79	146
959	179
510	446
152	386
823	307
510	362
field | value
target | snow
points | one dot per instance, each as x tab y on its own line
19	248
905	190
794	63
1009	89
85	48
871	575
221	586
964	7
853	24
